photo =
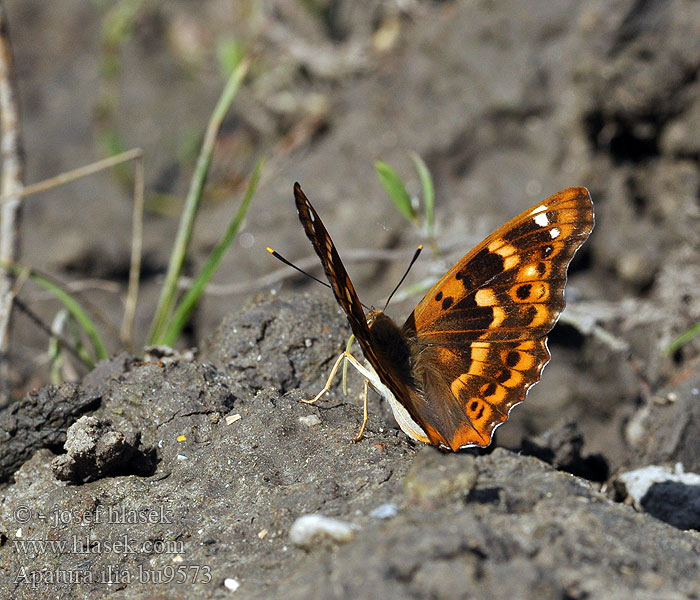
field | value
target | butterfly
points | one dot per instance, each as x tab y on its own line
477	342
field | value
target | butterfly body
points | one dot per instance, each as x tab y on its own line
476	343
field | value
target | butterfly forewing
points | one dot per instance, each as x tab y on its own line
339	279
482	328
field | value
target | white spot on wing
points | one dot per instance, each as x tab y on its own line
539	208
541	219
554	232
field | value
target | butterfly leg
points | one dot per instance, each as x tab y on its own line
327	387
365	415
370	378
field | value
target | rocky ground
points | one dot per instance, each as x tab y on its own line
212	454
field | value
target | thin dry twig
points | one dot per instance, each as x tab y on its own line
11	186
79	173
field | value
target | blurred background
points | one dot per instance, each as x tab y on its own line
506	102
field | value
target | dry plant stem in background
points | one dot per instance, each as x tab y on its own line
12	176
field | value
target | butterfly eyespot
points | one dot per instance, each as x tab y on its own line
513	358
537	291
523	291
477	408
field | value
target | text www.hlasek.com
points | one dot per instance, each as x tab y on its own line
84	545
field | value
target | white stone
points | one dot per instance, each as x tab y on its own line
307	529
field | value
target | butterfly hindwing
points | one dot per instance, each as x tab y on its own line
482	328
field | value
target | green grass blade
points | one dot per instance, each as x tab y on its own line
395	188
426	181
683	339
73	307
187	304
166	301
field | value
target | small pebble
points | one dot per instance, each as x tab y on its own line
310	420
231	584
385	511
232	418
307	529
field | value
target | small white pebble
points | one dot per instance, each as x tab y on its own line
18	533
310	420
306	529
262	533
308	343
233	418
385	511
695	391
231	584
181	457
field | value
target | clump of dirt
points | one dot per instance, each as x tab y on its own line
239	461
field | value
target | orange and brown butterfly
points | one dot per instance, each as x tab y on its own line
477	342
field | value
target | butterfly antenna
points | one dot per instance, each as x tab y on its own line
278	256
398	285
